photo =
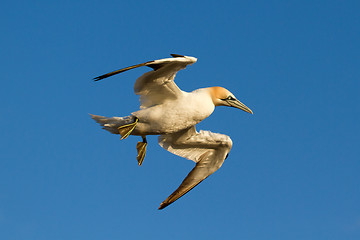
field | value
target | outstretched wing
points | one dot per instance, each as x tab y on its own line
157	86
209	151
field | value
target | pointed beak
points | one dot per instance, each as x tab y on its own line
237	104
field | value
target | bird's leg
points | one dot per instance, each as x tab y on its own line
126	130
141	149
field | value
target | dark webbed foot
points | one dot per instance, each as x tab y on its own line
126	130
141	149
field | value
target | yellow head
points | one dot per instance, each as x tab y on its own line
223	97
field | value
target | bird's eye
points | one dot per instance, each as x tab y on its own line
228	98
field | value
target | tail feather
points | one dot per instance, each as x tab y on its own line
112	124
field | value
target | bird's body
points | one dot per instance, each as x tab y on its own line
172	113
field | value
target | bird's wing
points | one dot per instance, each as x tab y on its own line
209	151
157	86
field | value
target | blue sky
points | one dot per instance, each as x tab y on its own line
293	172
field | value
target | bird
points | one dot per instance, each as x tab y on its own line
171	113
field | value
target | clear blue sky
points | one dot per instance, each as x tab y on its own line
293	172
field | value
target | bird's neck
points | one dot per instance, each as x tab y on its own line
213	93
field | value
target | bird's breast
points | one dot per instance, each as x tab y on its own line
174	115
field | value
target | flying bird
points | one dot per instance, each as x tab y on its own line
168	111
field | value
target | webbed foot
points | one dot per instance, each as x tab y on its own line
141	149
126	130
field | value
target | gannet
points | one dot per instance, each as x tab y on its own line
167	111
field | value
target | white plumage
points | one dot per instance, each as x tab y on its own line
172	113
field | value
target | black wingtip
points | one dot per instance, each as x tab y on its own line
176	55
101	77
107	75
162	206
